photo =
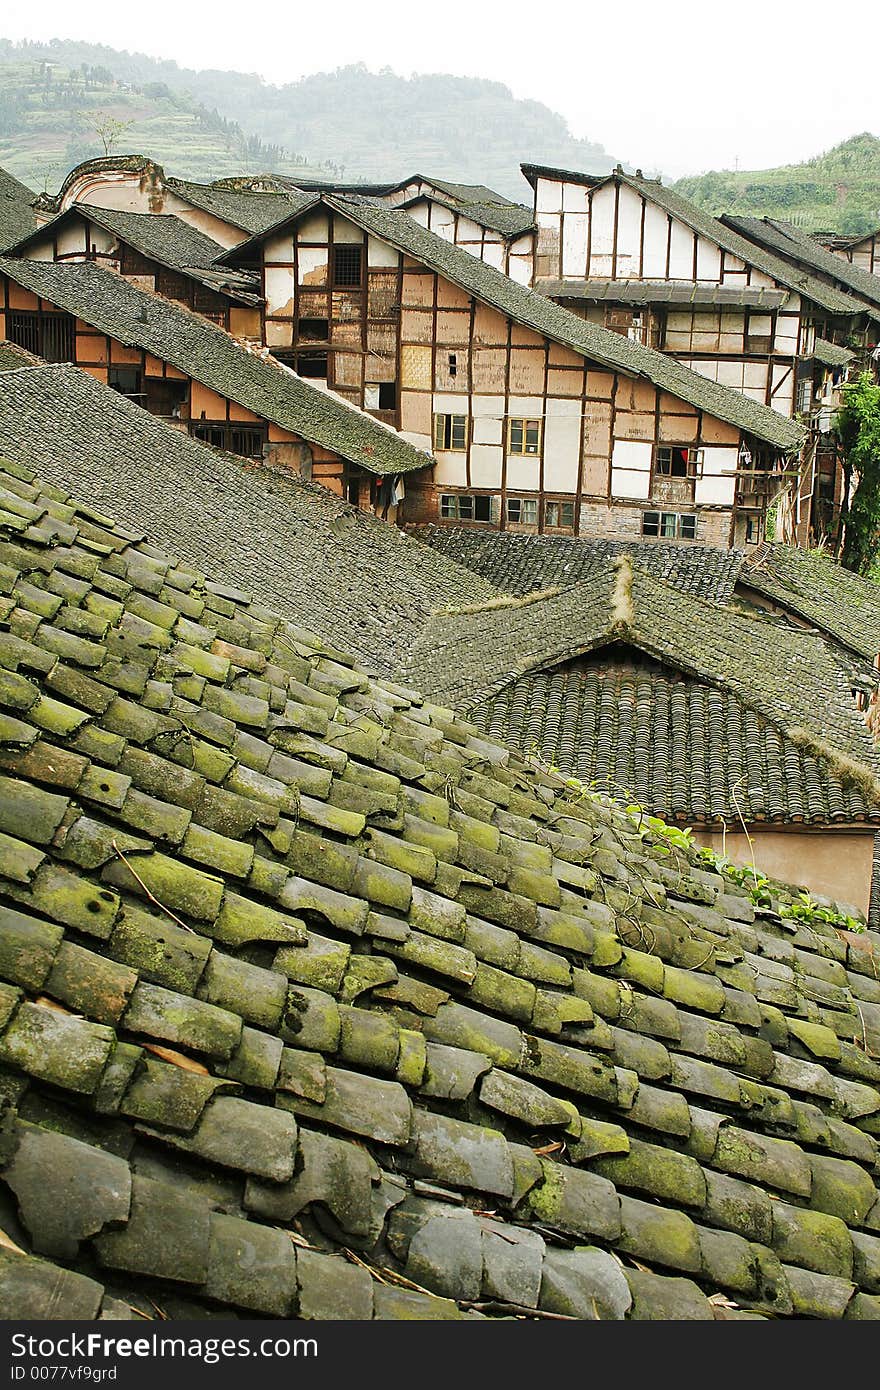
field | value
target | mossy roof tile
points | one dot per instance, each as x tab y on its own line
267	1001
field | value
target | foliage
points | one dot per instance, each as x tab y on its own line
764	892
838	191
108	130
53	116
858	430
384	126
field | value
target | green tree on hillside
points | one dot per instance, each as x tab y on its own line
858	430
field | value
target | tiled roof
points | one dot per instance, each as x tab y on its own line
209	355
481	204
675	292
352	578
577	1073
163	238
509	219
535	311
795	245
788	676
809	583
518	563
252	212
831	354
16	210
720	232
13	357
687	750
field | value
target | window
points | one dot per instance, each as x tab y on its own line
125	380
311	364
245	440
804	395
450	432
559	514
678	461
387	395
460	506
215	435
347	266
49	336
316	329
522	511
524	437
669	526
753	531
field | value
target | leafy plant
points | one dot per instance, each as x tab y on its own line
858	430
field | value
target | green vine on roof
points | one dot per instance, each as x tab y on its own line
767	894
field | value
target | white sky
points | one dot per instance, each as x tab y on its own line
684	86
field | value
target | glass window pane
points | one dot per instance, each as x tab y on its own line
516	436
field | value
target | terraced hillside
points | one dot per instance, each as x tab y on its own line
50	111
838	191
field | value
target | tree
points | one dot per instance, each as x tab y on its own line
858	431
108	130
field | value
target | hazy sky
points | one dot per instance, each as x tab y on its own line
683	86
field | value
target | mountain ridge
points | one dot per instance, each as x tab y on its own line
421	123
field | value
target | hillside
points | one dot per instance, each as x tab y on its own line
49	111
837	191
424	123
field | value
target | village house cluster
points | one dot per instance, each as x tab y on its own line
438	827
539	394
609	361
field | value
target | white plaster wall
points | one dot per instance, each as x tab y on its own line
309	258
523	473
280	288
631	468
575	197
531	407
681	252
602	234
656	231
629	225
574	244
380	255
717	487
72	239
42	251
279	247
548	196
708	260
315	227
344	230
487	429
486	465
451	469
562	435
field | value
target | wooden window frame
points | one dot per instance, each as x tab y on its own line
681	532
443	426
523	422
521	503
695	458
451	507
559	503
342	280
